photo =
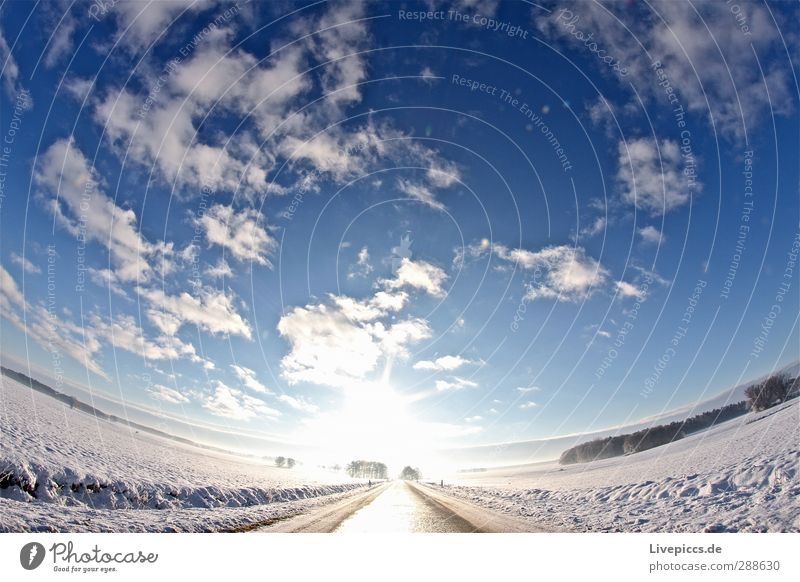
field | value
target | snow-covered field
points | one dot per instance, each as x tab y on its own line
741	475
63	470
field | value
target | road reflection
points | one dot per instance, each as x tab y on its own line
401	510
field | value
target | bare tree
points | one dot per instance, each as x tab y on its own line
770	392
280	461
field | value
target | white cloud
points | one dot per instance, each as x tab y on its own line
475	418
234	404
208	309
389	301
346	155
466	254
83	342
61	38
394	338
418	275
650	175
445	363
362	268
427	74
72	191
46	328
162	131
123	332
248	378
10	68
9	292
165	137
26	265
338	32
420	192
455	383
107	279
528	405
596	227
568	273
140	22
220	270
241	233
168	395
527	389
707	59
327	347
651	235
377	306
230	79
340	343
299	404
559	272
626	289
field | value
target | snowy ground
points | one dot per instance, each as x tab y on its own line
738	476
63	470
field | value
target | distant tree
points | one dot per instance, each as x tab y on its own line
280	461
410	473
337	468
768	393
367	470
290	462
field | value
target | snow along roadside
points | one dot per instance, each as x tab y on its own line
51	517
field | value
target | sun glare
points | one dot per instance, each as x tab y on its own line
373	423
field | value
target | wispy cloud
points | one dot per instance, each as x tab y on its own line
241	232
25	264
234	404
651	235
651	177
168	395
249	379
418	275
455	383
444	363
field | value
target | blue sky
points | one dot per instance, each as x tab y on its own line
346	223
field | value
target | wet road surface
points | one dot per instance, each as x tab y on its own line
401	509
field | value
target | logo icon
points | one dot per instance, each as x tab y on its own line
402	251
31	555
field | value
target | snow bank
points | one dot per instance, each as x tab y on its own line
68	486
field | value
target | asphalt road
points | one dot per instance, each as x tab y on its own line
399	507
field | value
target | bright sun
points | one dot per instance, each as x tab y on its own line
373	423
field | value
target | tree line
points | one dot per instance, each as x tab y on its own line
772	391
367	470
